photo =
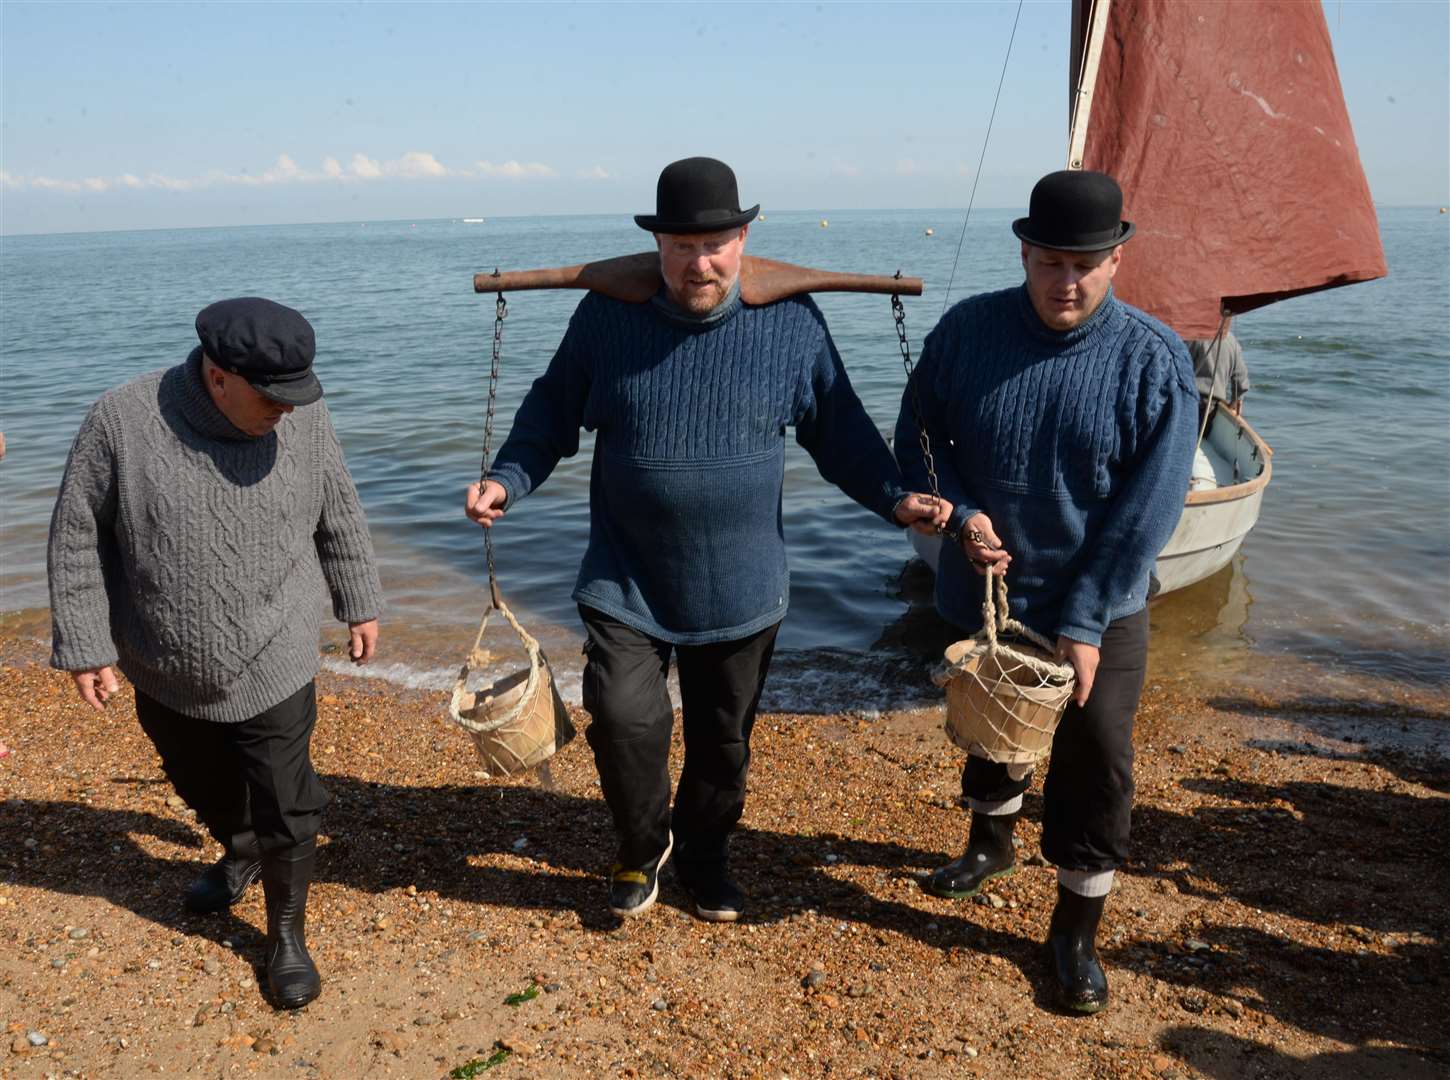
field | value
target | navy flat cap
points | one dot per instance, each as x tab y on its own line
269	345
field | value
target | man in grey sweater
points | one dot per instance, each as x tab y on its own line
197	507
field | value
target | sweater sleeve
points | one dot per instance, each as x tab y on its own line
546	427
82	545
927	389
834	428
344	546
1144	512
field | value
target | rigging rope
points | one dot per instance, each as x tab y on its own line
1214	352
987	138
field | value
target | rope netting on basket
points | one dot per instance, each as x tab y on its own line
1003	701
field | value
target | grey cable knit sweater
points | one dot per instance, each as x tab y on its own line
189	552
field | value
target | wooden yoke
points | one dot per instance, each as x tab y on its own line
636	278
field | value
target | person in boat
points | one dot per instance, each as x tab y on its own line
1063	422
202	510
1219	372
690	395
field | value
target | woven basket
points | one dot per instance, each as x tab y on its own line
1003	701
517	722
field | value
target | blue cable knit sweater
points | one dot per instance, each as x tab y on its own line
685	533
1077	445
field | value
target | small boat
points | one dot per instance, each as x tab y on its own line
473	221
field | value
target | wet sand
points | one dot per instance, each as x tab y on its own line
1283	915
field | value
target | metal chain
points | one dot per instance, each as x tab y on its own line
500	313
898	313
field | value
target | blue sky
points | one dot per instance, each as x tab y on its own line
169	115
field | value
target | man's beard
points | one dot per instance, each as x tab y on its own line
702	301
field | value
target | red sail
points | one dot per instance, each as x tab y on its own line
1226	126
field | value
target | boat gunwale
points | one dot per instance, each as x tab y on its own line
1245	488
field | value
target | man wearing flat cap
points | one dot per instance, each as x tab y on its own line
690	394
1063	422
204	509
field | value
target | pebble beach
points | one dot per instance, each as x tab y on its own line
1283	915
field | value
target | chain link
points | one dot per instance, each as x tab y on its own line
898	313
501	309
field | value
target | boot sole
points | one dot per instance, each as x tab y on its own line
717	914
1084	1008
297	1002
967	894
211	909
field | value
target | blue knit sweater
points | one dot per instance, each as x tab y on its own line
1077	445
685	530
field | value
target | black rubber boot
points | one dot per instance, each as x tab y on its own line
224	882
292	977
989	855
1082	984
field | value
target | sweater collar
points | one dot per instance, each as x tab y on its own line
683	317
199	409
1094	323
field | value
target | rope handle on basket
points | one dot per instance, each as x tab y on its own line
478	656
995	620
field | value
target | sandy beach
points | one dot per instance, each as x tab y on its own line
1283	915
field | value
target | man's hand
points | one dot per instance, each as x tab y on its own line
485	505
1084	661
983	546
362	640
926	514
96	686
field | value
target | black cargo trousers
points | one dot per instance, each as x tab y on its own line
254	776
625	692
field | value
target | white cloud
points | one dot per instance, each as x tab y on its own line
365	167
414	164
597	172
513	170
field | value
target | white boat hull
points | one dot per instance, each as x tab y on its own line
1219	514
1230	477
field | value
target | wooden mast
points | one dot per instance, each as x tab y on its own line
1087	53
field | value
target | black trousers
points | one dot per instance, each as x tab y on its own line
1087	798
254	776
625	693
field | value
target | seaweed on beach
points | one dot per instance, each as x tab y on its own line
472	1068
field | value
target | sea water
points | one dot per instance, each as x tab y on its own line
1347	574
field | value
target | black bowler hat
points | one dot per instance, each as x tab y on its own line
696	195
269	345
1075	210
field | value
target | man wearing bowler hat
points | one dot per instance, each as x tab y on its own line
690	394
203	510
1064	423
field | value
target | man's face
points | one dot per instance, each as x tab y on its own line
1066	287
249	411
700	268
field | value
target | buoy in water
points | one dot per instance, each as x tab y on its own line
930	232
825	224
1442	209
